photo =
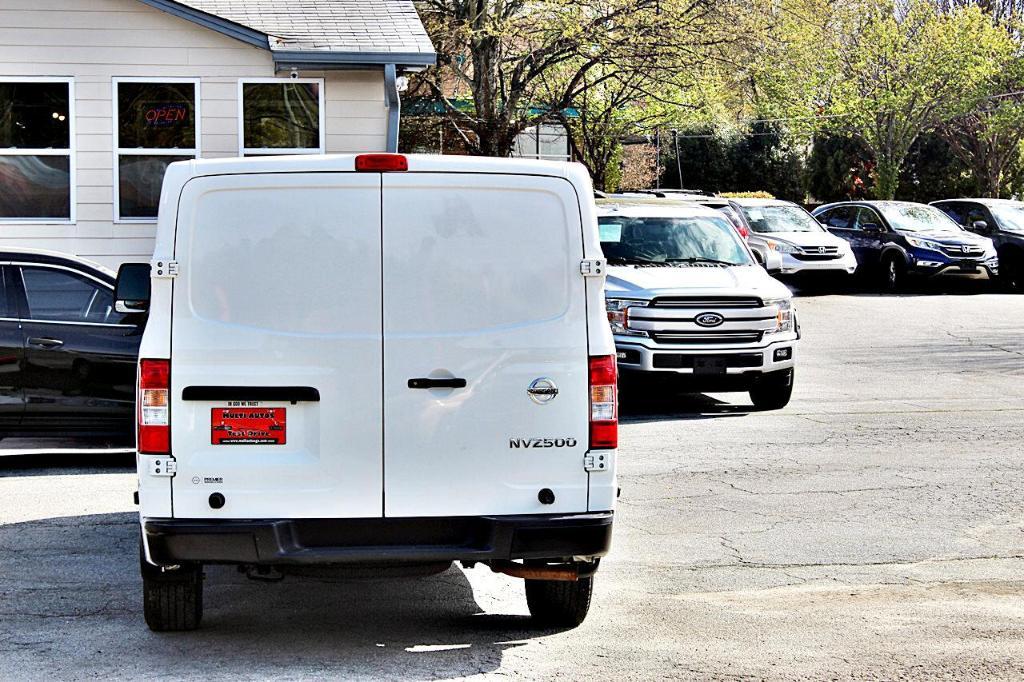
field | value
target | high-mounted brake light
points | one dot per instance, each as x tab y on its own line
604	412
381	163
154	407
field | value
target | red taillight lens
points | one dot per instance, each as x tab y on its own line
744	232
154	407
604	409
381	163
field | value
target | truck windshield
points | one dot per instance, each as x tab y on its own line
917	218
1009	216
780	218
671	241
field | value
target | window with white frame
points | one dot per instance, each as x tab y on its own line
278	116
37	164
157	124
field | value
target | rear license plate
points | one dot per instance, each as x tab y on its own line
247	426
709	365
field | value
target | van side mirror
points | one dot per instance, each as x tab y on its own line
132	291
980	226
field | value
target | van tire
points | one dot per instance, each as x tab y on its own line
172	601
773	391
559	603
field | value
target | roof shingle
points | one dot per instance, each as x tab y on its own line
357	26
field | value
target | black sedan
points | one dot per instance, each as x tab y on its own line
67	358
1002	221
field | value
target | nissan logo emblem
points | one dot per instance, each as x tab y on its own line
709	319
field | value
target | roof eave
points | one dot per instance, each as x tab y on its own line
212	22
326	60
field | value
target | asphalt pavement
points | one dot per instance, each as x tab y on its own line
872	529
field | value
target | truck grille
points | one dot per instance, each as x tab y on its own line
672	320
682	338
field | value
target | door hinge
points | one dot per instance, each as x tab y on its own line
595	462
163	269
163	466
593	267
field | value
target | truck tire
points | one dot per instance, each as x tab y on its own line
559	603
172	600
773	391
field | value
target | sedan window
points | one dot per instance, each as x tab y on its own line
62	296
1009	216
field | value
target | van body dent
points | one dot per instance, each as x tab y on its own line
376	360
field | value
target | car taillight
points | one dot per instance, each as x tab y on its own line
744	232
604	412
154	407
381	163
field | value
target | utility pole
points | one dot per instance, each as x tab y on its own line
657	158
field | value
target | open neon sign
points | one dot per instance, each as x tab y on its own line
167	115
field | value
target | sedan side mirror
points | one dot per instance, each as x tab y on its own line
980	226
132	291
871	228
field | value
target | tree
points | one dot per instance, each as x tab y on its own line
524	62
907	67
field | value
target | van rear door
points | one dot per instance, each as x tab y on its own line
276	346
482	297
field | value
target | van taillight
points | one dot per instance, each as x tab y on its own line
381	163
154	407
604	411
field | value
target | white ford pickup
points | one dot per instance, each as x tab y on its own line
688	303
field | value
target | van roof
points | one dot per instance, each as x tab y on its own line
422	163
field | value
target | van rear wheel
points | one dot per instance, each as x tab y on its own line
171	600
560	603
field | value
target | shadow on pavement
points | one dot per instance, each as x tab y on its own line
639	404
71	605
42	464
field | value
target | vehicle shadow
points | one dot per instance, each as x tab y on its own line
72	585
863	286
641	404
15	463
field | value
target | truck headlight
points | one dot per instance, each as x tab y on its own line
618	316
784	316
783	247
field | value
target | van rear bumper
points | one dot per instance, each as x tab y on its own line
362	541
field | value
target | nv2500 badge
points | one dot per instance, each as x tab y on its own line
542	442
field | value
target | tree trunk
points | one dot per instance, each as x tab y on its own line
887	176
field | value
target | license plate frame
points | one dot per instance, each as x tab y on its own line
968	266
248	426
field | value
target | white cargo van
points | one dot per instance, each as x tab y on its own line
374	360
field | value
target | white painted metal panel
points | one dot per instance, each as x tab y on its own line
279	285
482	282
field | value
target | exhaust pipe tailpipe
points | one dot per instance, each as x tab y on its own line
567	573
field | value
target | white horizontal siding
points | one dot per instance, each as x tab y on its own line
97	40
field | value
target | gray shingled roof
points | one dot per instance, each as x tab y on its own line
320	27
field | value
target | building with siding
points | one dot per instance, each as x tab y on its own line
97	97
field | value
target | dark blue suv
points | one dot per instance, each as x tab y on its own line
896	239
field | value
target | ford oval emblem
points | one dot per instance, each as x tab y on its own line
709	319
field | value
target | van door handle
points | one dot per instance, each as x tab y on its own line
45	342
426	382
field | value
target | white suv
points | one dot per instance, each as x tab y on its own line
687	302
374	360
784	228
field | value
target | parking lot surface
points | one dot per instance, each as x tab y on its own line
874	528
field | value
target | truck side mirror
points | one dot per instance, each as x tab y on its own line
980	226
132	291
